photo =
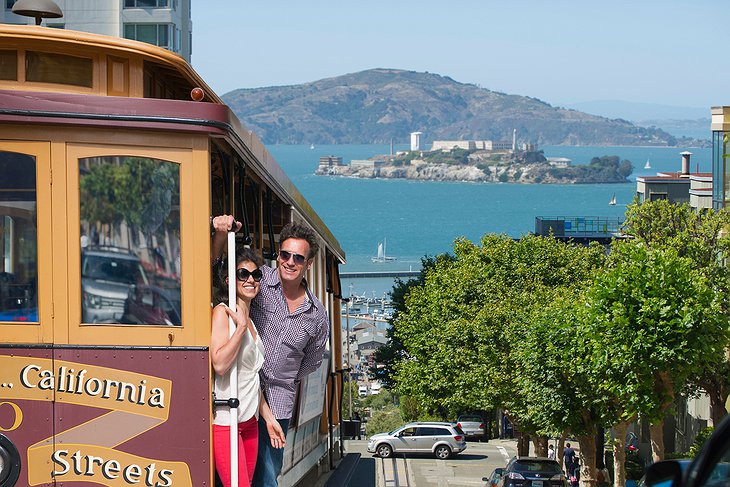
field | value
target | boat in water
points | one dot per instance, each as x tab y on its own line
613	200
647	165
382	257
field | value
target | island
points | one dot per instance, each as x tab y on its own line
526	166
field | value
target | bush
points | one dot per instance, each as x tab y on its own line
699	441
385	420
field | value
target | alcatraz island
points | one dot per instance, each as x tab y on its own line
479	161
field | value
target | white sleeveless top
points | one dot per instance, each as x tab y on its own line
250	360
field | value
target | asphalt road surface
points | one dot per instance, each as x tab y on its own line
420	470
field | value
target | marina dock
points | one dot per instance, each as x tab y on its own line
366	274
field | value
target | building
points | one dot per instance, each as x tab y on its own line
681	187
164	23
720	169
416	140
490	145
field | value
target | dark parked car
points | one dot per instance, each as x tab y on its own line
710	468
494	477
533	472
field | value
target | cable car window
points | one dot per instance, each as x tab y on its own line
9	65
18	238
130	240
58	68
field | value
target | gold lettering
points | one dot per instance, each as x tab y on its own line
18	416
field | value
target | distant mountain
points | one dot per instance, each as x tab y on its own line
380	105
637	112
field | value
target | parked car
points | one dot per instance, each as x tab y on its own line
108	274
472	425
441	439
494	477
533	472
711	466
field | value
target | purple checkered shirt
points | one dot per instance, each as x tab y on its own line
294	343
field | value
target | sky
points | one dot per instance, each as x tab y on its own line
667	52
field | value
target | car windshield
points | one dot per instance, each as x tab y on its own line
473	419
536	466
127	271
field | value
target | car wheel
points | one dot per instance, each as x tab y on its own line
384	450
442	452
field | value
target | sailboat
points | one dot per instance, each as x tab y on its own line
647	165
613	200
311	146
381	257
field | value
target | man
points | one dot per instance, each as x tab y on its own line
569	459
294	329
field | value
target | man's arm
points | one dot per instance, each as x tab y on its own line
221	224
314	351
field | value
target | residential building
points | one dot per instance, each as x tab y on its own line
164	23
679	187
720	167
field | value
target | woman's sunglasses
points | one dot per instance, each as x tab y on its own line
243	274
284	256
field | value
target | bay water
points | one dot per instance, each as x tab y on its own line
418	218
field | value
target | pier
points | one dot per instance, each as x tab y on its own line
360	275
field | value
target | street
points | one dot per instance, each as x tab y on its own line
421	470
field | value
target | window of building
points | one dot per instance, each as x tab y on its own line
657	196
130	240
146	3
18	239
155	34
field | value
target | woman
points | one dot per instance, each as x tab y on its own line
243	347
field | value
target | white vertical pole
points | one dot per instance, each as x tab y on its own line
233	373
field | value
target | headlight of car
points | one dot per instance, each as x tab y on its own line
92	300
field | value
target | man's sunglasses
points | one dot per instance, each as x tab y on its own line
284	256
243	274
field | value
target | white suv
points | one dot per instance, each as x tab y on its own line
441	439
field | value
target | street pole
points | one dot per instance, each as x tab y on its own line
349	365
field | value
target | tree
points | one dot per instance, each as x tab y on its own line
386	356
459	327
702	237
658	320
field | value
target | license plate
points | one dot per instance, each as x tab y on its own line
536	483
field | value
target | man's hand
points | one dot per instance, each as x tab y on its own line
276	434
224	223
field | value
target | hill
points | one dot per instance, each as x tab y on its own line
380	105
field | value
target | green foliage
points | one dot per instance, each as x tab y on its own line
454	156
699	441
703	238
137	190
503	178
654	320
389	354
350	392
384	420
459	327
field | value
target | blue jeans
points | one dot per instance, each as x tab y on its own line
269	460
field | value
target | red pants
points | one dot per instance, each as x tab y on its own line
248	442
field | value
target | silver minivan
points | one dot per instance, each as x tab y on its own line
441	439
